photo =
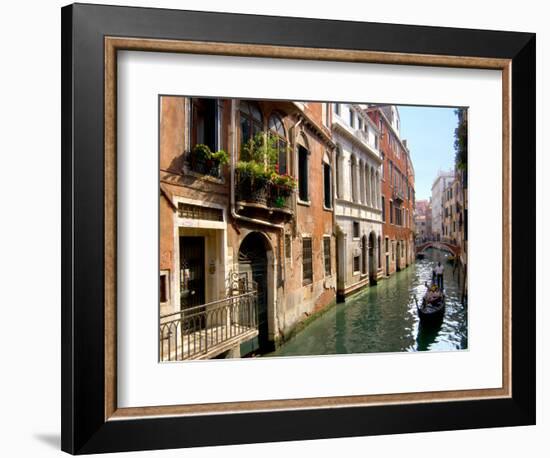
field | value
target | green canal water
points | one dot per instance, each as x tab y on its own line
383	318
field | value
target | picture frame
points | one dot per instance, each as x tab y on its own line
91	37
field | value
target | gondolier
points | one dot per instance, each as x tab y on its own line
431	310
439	275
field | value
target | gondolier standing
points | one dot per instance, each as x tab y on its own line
439	275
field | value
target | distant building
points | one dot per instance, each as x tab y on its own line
398	195
423	221
439	186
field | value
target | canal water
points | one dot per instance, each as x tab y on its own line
383	318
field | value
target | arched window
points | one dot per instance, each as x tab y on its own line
362	182
353	179
277	128
303	169
377	183
367	186
339	179
251	120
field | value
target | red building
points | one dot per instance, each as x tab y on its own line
397	191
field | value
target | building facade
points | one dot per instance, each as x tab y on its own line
439	187
358	208
397	191
246	204
423	221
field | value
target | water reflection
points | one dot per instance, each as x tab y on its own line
384	318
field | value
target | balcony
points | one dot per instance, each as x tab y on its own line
398	195
261	195
206	331
358	136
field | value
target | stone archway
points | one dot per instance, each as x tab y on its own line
373	269
255	270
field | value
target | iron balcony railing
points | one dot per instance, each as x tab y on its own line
205	330
264	194
398	194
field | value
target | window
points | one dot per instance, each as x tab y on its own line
393	251
303	174
387	245
251	120
354	179
288	246
383	209
164	292
307	261
351	118
326	250
383	166
277	128
364	254
203	122
356	263
339	191
355	229
337	108
327	185
391	212
359	123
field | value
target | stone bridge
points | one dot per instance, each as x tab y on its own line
449	247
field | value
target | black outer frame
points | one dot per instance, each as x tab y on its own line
84	429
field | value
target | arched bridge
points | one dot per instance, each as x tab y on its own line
449	247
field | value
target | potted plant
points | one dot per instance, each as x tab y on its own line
283	185
252	180
204	161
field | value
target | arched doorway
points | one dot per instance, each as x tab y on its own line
341	265
253	270
364	254
398	256
372	259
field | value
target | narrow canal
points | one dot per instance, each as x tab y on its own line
383	318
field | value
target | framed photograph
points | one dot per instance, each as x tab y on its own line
284	228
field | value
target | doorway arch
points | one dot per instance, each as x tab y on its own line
372	259
253	271
364	255
398	256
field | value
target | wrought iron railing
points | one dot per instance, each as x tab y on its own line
201	330
264	193
398	194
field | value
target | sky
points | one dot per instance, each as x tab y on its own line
429	132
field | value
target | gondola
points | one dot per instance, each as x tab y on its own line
431	312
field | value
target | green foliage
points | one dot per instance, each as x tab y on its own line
461	140
284	181
202	153
261	149
252	170
221	157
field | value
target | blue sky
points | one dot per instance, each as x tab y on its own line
429	132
